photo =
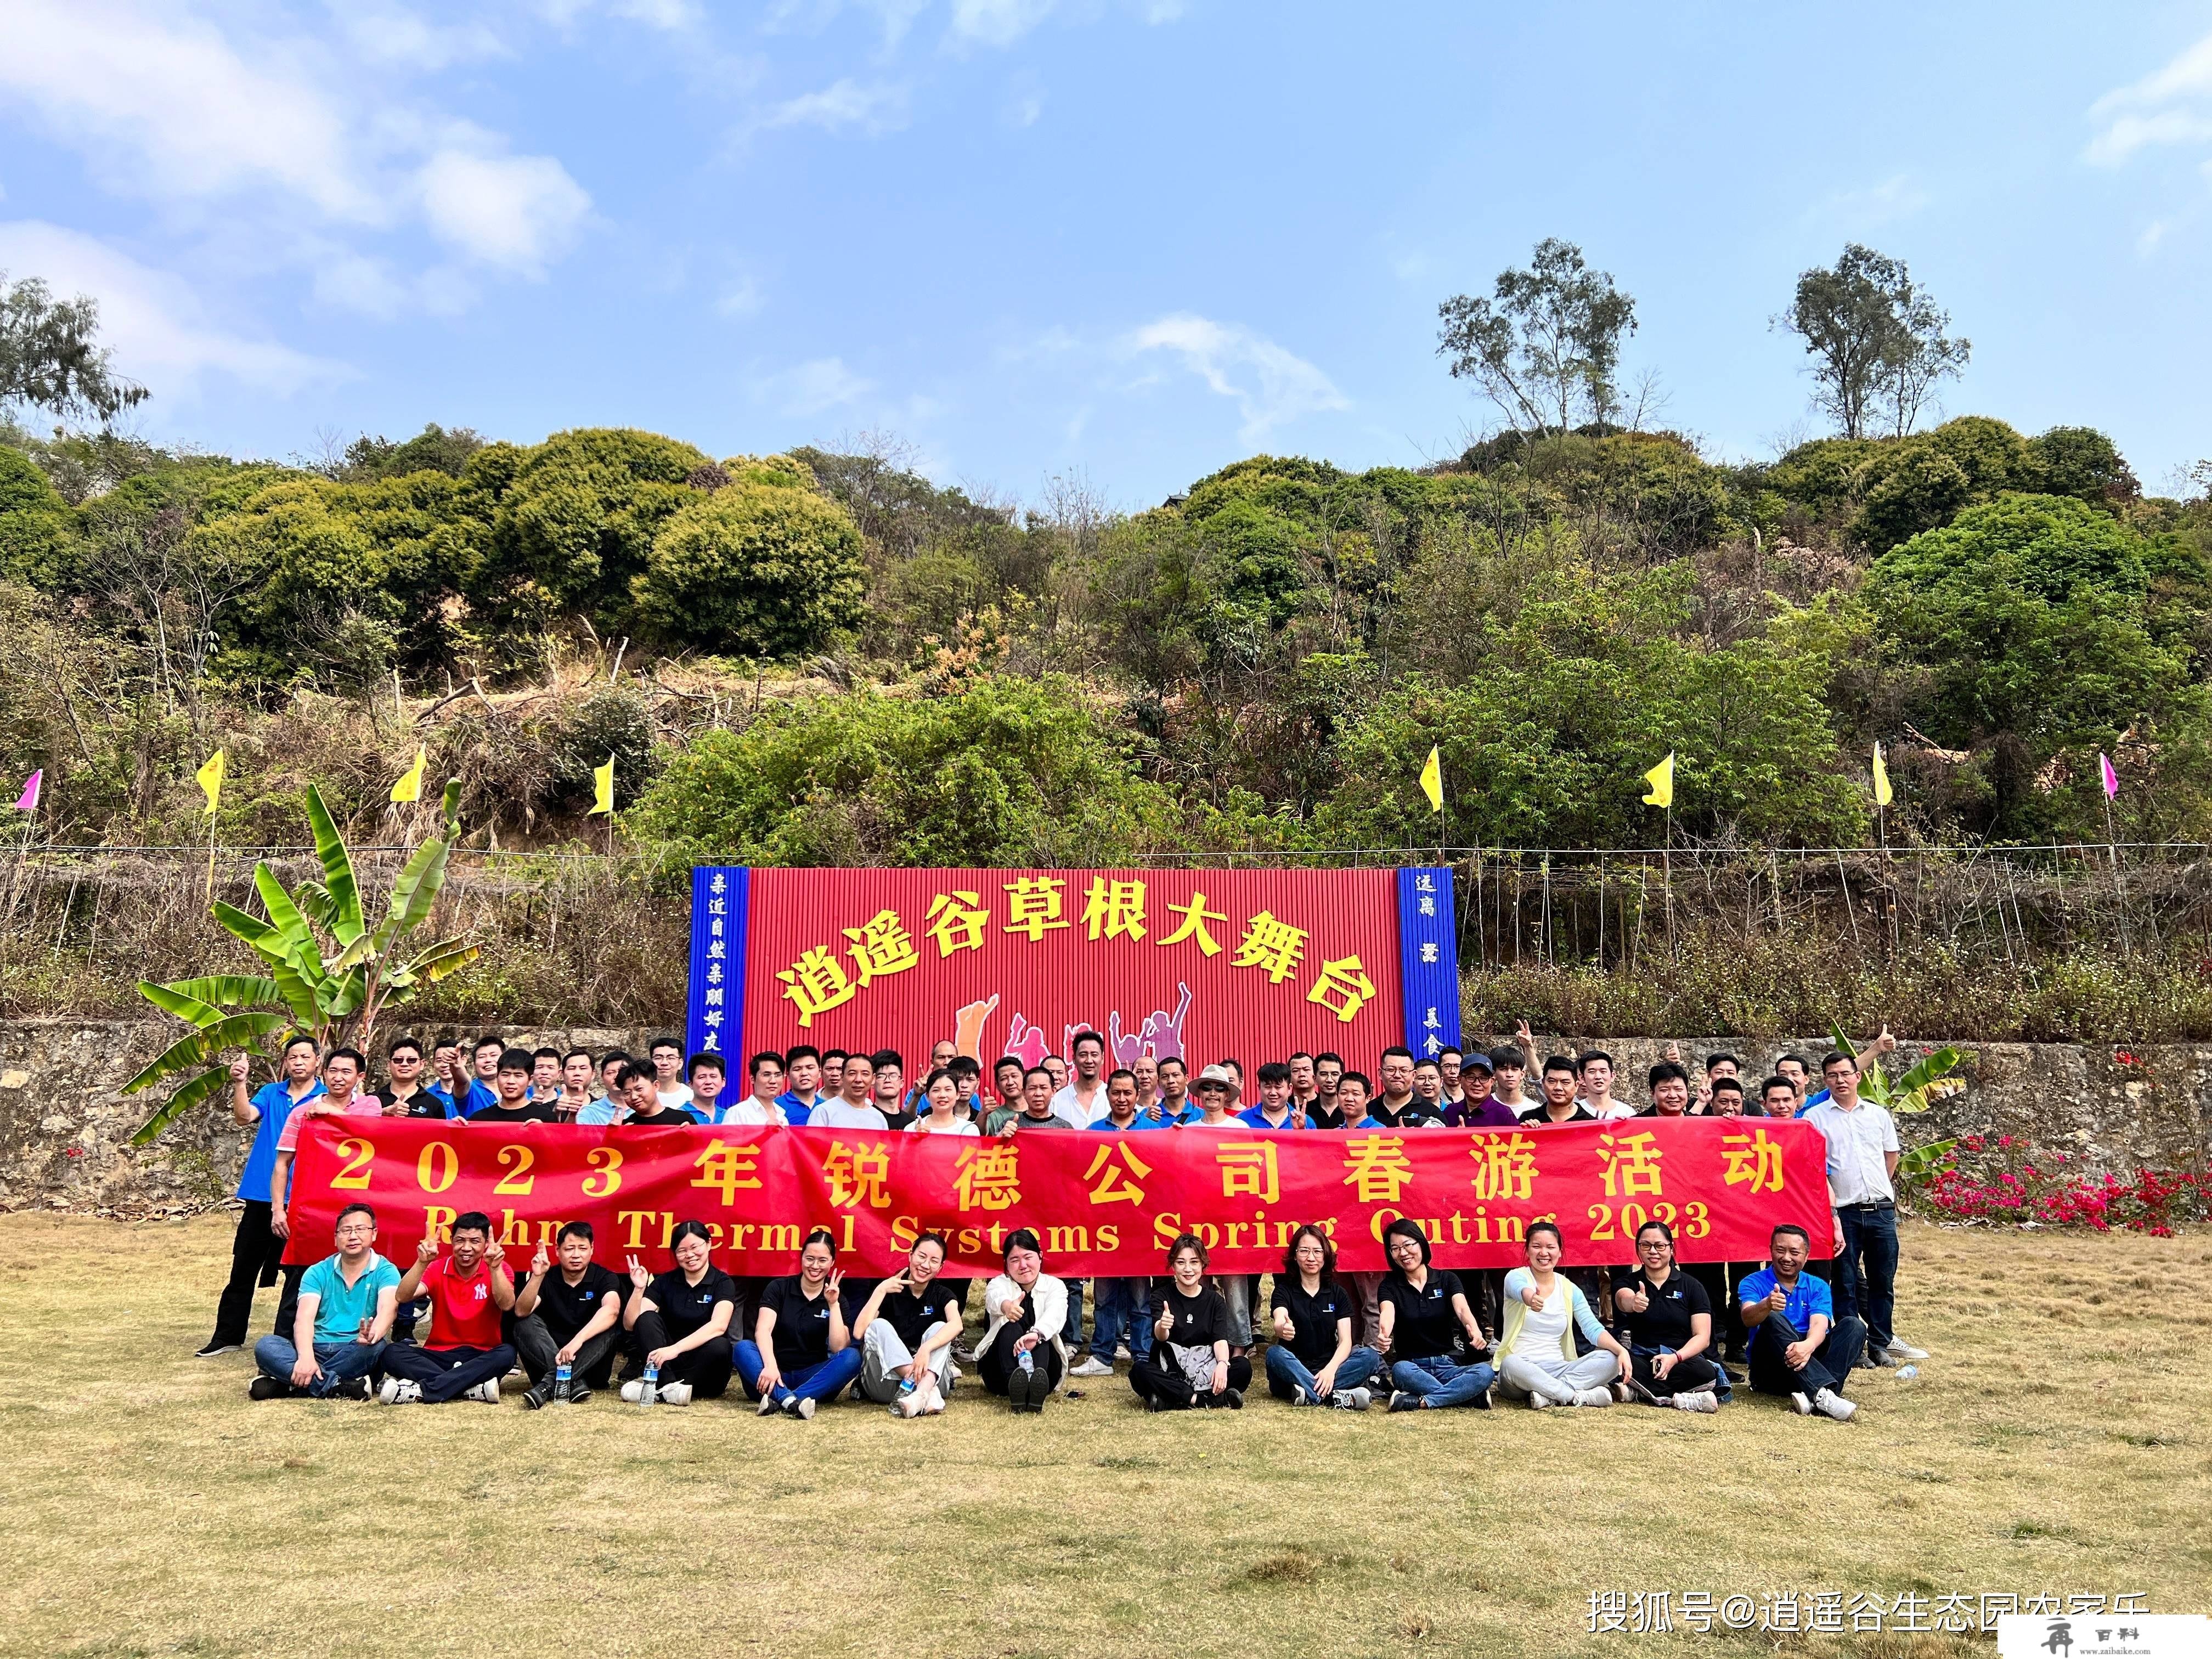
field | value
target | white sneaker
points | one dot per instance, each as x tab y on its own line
1537	1402
1092	1366
803	1408
768	1407
676	1394
1704	1401
1121	1351
1361	1398
400	1391
1593	1397
485	1393
1829	1403
1801	1403
1898	1351
633	1391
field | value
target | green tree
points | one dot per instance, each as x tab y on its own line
36	524
1008	772
1546	344
50	357
1876	340
755	569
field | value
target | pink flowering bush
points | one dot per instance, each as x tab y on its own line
2001	1180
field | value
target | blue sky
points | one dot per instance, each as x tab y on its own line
1137	239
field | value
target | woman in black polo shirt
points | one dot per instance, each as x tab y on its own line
1437	1356
801	1351
1311	1361
681	1321
1190	1363
1668	1320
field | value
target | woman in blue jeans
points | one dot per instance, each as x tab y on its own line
801	1351
1436	1346
1312	1361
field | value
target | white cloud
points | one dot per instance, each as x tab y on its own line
813	388
166	103
2170	106
742	298
998	23
160	331
1895	198
872	110
393	35
1269	385
514	212
1024	100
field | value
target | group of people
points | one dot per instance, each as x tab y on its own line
1547	1333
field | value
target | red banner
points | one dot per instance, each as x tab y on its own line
1102	1203
1197	963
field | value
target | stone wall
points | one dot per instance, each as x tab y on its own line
65	1127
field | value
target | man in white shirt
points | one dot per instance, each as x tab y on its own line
760	1107
1083	1101
667	1056
1863	1154
1594	1070
852	1109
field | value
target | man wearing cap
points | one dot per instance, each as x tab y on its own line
1474	1109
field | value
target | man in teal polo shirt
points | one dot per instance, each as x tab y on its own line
346	1305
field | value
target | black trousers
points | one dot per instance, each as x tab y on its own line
594	1363
706	1368
997	1361
1157	1377
447	1373
1830	1366
255	1253
1690	1375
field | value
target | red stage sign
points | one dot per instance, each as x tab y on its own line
1103	1203
1203	964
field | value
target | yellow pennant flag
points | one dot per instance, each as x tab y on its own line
603	788
1432	780
1661	780
210	779
410	787
1881	792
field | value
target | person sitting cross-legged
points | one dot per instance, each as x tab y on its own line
1668	1318
1311	1361
1190	1364
346	1304
1544	1309
568	1314
682	1319
801	1352
905	1330
1437	1355
469	1291
1798	1345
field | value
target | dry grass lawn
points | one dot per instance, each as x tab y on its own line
2061	1440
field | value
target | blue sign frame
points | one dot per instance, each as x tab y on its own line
714	1017
1428	959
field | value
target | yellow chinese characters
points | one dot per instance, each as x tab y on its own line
1111	1171
815	983
1113	909
1376	1169
1249	1166
1632	1165
1505	1167
724	1169
1272	947
881	946
1194	916
1751	1160
1033	906
858	1175
956	921
1343	988
987	1177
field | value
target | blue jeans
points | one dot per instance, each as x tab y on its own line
342	1361
824	1382
1444	1380
1120	1312
1289	1379
1870	1247
1071	1332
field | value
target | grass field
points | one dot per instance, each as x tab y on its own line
2060	1441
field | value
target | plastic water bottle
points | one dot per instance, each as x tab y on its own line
906	1387
649	1393
1028	1360
561	1385
1906	1373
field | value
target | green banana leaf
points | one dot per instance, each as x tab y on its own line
226	990
182	1005
203	1086
298	939
201	1047
345	920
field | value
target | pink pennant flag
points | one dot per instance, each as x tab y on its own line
2111	778
28	801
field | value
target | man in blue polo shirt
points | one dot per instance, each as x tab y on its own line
255	1250
1798	1345
802	1065
346	1305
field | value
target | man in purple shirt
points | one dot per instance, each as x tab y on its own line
1475	1110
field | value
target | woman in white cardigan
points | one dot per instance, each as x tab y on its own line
1022	1354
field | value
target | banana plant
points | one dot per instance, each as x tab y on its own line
1919	1088
328	975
